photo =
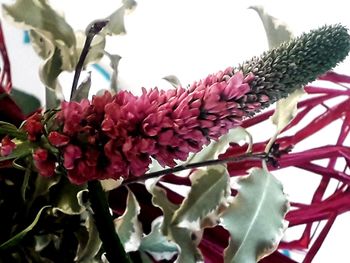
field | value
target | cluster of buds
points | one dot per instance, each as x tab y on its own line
116	136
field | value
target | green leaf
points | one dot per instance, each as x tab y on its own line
43	184
160	199
96	49
116	19
83	89
187	242
215	148
286	109
23	149
52	37
145	258
255	218
51	98
11	130
24	186
114	63
173	80
184	238
65	198
210	189
15	239
156	244
28	103
276	31
128	227
87	252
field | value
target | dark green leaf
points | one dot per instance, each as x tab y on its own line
28	103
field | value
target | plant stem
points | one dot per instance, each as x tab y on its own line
111	243
93	29
179	168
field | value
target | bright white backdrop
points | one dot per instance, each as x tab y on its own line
189	39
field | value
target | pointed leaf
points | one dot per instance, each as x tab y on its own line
114	63
96	49
276	31
11	130
255	218
93	244
66	198
116	19
28	103
156	244
23	149
210	188
286	109
215	148
128	227
52	37
160	199
15	239
83	90
173	80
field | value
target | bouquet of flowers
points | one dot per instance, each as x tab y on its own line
98	180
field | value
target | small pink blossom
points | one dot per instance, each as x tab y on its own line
7	146
33	126
58	139
43	162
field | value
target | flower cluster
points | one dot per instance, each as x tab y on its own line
116	136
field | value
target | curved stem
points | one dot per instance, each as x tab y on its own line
248	156
111	243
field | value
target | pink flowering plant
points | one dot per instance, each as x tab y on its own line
98	180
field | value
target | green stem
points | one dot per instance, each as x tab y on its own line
111	243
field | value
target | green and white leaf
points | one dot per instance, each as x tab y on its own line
83	90
97	47
286	109
187	247
128	227
173	80
187	242
90	249
156	244
114	63
210	189
52	36
255	218
116	24
215	148
15	239
66	197
160	199
276	30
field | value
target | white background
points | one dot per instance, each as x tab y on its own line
189	39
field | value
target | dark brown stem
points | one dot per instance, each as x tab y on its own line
93	29
244	157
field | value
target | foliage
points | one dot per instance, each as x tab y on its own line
233	209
